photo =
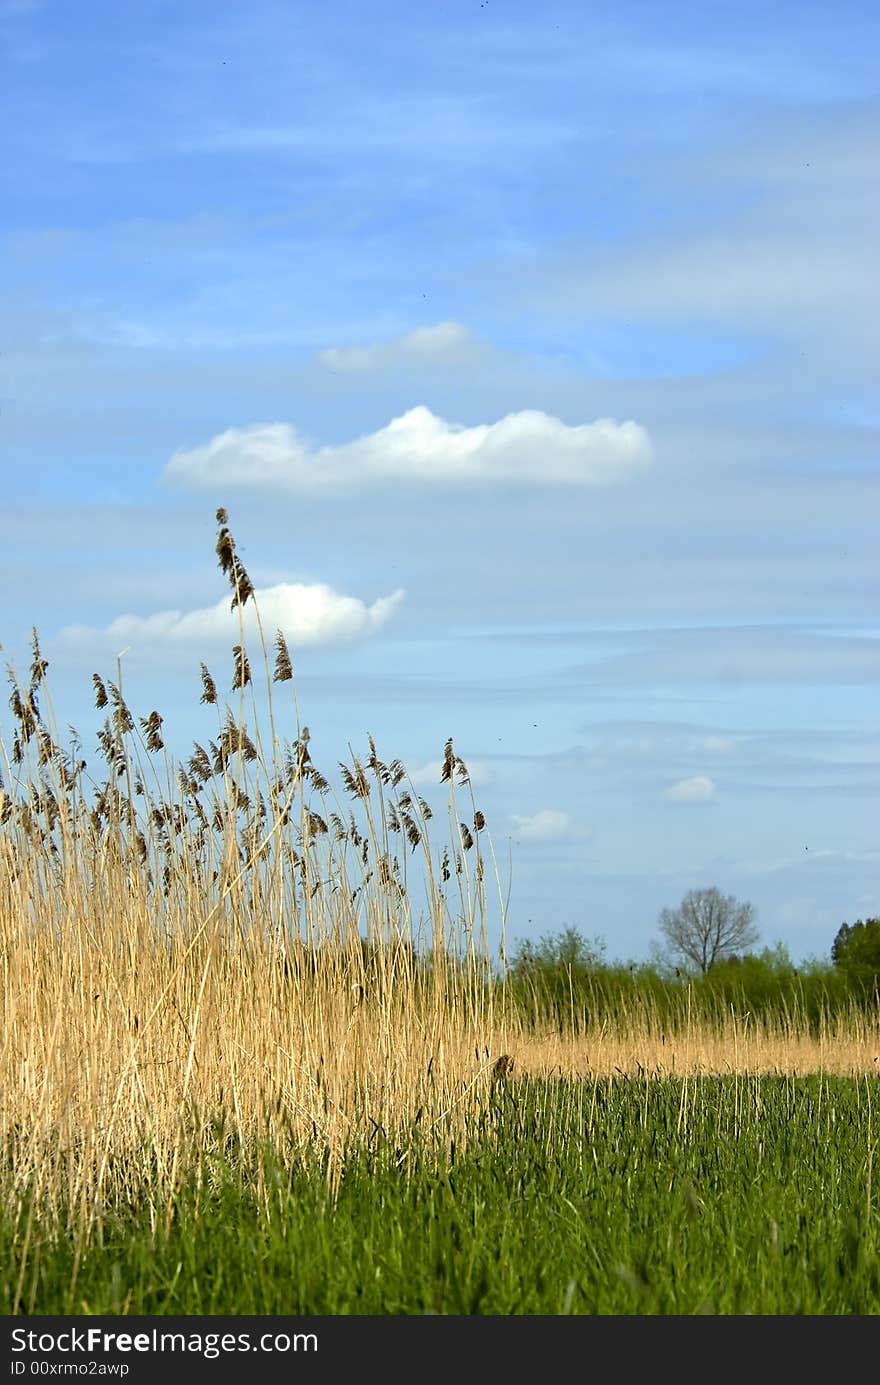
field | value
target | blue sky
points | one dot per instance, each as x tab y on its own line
532	350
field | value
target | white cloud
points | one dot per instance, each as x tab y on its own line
699	789
444	342
718	745
428	775
307	614
547	823
529	447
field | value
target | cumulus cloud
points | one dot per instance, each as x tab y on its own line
445	342
543	825
428	775
528	447
308	614
698	789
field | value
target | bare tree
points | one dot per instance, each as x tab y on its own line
708	926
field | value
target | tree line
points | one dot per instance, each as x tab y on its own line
707	955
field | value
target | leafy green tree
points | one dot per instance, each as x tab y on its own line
856	952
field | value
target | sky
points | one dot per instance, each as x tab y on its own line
533	353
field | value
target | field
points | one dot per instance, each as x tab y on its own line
257	1058
675	1196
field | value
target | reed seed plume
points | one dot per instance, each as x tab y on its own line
151	726
230	564
39	665
283	667
209	687
123	721
242	674
200	764
448	762
355	779
25	710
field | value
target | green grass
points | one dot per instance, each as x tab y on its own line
717	1195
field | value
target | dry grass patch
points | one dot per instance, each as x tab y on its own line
847	1046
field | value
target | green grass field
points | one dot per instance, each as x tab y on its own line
656	1196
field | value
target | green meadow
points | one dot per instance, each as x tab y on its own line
708	1195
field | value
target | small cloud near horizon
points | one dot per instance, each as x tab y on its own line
718	745
541	826
698	789
448	342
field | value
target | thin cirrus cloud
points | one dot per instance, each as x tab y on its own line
307	614
444	343
529	447
698	789
793	257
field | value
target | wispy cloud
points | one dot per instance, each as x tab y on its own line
529	447
793	259
541	826
822	859
428	126
698	789
428	774
718	745
308	614
445	342
778	653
